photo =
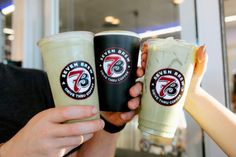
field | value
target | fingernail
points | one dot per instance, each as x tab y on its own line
140	72
102	123
204	48
94	110
143	63
136	92
87	137
201	53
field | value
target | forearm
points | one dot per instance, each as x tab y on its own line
9	149
103	144
214	118
5	150
1	149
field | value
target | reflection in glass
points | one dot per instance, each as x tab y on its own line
134	15
230	26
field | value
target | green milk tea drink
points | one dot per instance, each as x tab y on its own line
69	62
169	69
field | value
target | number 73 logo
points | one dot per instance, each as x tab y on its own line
167	86
114	65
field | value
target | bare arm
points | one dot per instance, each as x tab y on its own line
218	122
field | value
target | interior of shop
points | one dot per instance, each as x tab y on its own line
24	23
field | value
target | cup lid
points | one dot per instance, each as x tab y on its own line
65	35
117	32
169	40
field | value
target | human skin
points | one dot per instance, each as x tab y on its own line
45	135
215	119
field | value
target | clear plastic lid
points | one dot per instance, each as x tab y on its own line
169	40
67	35
118	32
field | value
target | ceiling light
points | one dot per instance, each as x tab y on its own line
177	1
8	31
230	18
109	19
11	37
115	22
8	9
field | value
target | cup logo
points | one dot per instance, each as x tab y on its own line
167	86
77	80
114	65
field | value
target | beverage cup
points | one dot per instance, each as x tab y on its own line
116	55
169	69
69	62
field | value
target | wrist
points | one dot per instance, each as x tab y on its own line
8	149
111	128
2	152
193	97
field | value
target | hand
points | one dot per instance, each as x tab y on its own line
199	69
121	118
45	135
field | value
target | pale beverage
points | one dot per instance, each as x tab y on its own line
69	62
169	69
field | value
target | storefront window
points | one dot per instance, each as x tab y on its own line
150	18
230	29
7	34
134	15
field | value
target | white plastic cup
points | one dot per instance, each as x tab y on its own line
169	69
69	62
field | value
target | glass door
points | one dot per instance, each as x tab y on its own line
150	18
230	29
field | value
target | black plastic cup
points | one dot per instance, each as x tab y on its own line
116	56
